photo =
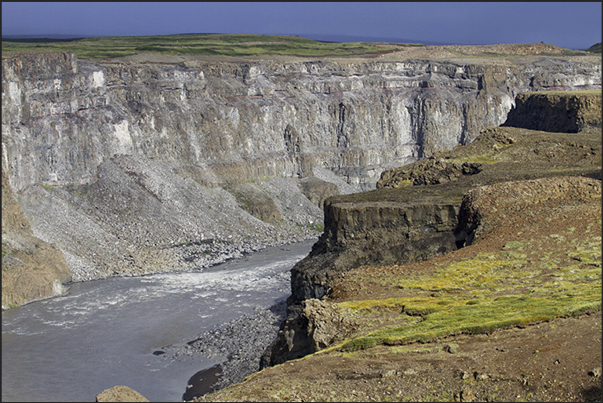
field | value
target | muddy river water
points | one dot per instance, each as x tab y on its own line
104	333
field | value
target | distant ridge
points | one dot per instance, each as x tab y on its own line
41	38
44	36
596	48
316	37
353	38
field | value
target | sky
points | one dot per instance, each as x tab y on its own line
574	25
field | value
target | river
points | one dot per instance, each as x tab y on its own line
104	333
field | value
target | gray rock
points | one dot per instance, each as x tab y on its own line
451	348
480	377
389	373
239	344
316	326
124	166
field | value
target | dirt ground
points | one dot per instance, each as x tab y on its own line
553	361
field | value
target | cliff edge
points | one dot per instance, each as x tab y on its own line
444	204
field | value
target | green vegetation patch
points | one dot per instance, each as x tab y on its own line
489	291
596	48
490	314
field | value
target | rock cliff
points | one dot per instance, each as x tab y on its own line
423	210
135	166
562	112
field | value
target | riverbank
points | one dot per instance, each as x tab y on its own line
238	344
105	333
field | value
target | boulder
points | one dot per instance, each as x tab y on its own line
120	393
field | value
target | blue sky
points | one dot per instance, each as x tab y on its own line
575	25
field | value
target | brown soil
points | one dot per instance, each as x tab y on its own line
551	361
451	51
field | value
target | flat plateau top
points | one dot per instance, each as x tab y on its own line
248	48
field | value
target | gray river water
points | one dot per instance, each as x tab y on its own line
103	333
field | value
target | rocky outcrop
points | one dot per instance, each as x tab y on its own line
132	167
357	234
441	203
430	171
560	112
317	326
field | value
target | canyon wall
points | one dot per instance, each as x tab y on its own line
131	167
428	208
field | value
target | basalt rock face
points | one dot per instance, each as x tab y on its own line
383	232
137	167
317	326
555	113
357	234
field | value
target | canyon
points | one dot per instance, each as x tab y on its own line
130	166
470	275
405	164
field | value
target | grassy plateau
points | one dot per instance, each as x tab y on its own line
199	44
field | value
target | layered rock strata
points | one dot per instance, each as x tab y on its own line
137	166
562	112
440	203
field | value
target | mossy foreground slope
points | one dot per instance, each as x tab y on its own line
513	316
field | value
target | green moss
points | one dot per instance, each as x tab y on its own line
6	249
513	245
490	314
405	183
488	291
